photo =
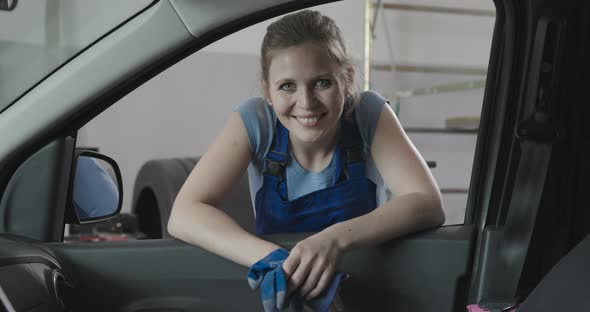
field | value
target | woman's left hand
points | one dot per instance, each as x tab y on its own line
311	264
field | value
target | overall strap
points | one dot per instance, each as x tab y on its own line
275	163
352	148
276	159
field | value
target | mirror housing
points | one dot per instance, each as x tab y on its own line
8	5
96	188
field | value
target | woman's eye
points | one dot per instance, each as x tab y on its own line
289	87
323	83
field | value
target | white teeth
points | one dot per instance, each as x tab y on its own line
309	121
306	119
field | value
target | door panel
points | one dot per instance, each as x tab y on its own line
29	205
422	272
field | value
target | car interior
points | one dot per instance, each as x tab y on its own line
523	241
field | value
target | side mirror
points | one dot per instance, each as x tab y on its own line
96	190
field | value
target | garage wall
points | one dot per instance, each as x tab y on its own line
178	113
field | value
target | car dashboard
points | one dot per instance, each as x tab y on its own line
31	279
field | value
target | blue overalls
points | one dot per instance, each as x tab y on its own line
352	195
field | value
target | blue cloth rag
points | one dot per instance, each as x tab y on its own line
268	274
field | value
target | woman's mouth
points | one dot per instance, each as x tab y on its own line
309	120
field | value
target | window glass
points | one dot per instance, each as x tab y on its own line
38	36
436	86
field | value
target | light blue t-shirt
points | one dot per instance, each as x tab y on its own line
259	120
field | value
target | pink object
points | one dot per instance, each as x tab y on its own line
476	308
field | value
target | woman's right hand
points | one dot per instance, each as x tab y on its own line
311	264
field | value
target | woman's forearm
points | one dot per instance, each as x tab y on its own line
402	215
212	229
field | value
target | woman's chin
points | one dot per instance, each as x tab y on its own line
316	137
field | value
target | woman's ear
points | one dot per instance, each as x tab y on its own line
350	79
265	92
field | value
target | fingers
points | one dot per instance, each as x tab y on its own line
290	265
299	276
323	282
309	267
311	280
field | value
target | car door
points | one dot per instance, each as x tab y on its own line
168	274
430	271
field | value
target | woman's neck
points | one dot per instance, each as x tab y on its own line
316	156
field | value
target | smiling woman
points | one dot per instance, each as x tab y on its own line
527	198
319	156
487	257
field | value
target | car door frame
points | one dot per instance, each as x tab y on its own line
480	202
532	98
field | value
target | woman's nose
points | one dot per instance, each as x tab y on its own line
307	99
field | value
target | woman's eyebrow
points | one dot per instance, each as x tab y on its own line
283	80
324	75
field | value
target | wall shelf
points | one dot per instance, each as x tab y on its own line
429	68
437	9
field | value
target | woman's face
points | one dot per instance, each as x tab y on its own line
306	92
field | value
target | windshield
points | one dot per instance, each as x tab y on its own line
39	36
